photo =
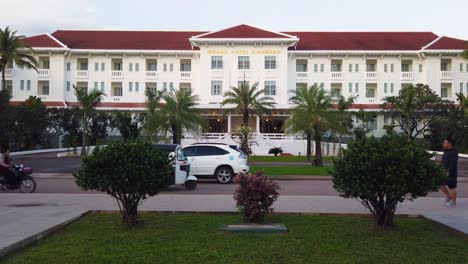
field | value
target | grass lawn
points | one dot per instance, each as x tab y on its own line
195	238
292	170
283	159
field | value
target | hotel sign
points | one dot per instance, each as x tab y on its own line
244	52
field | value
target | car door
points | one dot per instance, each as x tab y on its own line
210	158
191	154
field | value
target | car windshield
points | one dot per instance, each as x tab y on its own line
180	155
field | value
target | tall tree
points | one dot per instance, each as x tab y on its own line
128	125
344	122
153	124
30	124
413	109
13	49
247	99
179	113
362	128
87	101
312	116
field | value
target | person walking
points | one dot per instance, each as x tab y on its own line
449	162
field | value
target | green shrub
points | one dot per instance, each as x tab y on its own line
380	173
129	171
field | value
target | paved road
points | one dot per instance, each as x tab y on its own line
207	187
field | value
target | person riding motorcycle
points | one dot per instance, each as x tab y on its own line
6	167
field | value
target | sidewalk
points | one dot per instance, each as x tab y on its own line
27	217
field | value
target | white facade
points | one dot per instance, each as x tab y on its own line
368	75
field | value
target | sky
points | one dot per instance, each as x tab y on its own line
32	17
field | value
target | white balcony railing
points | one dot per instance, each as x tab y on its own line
81	74
337	75
43	97
446	75
43	73
116	98
117	74
407	76
301	75
8	72
371	100
371	75
185	75
151	74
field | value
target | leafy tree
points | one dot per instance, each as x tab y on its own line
6	118
129	126
413	109
99	124
180	113
31	123
88	101
362	128
247	99
153	122
129	171
13	49
380	173
312	116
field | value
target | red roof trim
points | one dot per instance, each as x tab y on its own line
48	104
42	41
449	43
244	31
113	105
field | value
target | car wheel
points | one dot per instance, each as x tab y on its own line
224	174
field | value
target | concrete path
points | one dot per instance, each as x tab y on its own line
27	217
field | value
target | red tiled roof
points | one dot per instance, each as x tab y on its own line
362	40
131	40
41	41
449	43
243	31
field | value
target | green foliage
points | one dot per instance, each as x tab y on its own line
129	171
382	173
312	116
244	137
98	127
413	109
247	99
13	49
362	128
129	126
275	151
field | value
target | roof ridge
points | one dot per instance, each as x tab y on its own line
432	42
56	40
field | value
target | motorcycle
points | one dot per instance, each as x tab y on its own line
24	181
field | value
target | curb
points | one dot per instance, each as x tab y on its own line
29	240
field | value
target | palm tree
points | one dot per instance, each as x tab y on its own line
365	117
88	101
152	121
179	113
312	116
247	99
13	49
343	118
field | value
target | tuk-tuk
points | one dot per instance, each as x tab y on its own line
180	167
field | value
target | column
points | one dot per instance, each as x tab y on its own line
258	124
229	124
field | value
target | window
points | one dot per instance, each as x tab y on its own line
103	66
322	86
164	85
405	67
322	67
461	67
28	85
385	87
96	67
216	62
171	67
210	151
102	86
335	90
467	67
370	67
185	65
117	89
444	92
96	86
270	62
165	67
392	67
68	66
68	86
130	67
152	87
420	67
350	87
392	87
171	85
243	62
83	66
461	87
444	66
270	87
301	65
137	86
151	65
370	90
315	67
357	67
335	66
117	66
356	87
130	86
244	82
372	124
216	87
22	85
137	67
385	67
350	68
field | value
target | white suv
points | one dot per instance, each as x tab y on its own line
216	160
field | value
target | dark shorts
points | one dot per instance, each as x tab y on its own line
451	183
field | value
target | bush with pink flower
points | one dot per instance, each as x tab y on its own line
255	195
